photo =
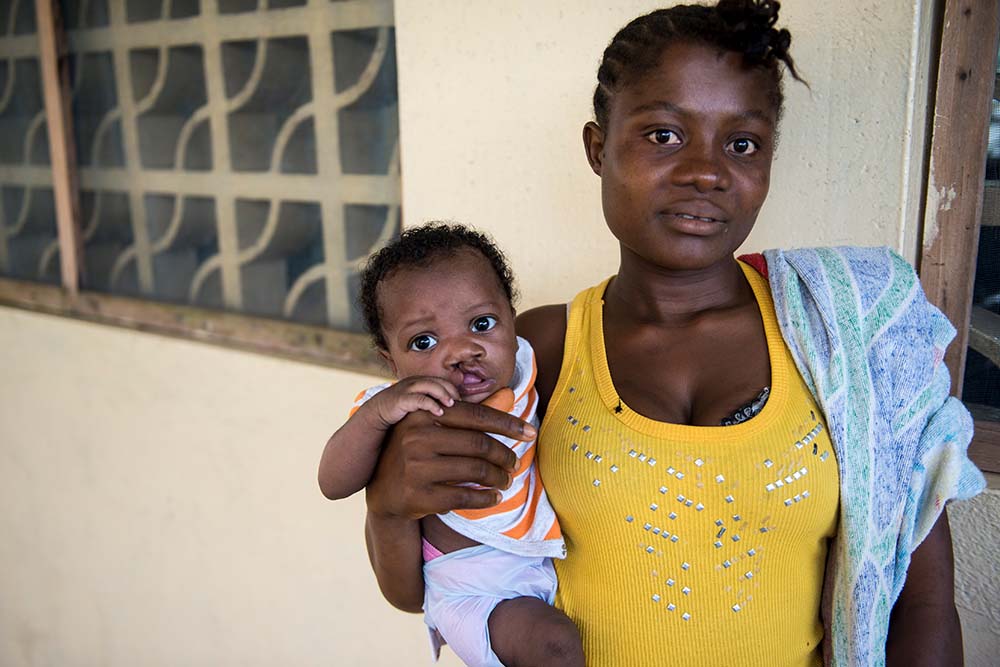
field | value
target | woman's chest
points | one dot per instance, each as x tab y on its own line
697	375
690	535
703	488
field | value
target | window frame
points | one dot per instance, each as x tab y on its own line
968	34
326	346
955	185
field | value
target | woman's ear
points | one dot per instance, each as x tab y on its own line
593	143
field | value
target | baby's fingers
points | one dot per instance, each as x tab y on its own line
413	402
441	390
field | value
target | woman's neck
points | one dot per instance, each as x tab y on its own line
644	292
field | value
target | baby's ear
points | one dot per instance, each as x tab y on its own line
387	358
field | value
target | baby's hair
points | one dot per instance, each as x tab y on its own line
743	26
421	247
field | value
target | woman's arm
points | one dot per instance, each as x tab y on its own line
422	460
395	554
924	629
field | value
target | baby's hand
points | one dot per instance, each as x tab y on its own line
412	394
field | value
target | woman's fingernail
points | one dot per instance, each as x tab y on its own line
529	431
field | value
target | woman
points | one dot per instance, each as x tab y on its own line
710	427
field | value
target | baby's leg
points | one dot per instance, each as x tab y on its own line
528	632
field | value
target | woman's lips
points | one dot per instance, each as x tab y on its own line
696	225
703	218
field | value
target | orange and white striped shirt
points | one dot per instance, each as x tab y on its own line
523	522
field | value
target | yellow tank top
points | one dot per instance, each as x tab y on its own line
688	545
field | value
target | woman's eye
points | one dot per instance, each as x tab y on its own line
484	323
743	146
664	137
423	342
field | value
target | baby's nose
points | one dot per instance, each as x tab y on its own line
463	351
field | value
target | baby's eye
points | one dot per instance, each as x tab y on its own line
663	137
743	146
484	323
423	342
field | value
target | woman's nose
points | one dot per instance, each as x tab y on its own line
702	167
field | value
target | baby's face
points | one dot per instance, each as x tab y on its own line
450	320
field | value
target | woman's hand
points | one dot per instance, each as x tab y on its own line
425	457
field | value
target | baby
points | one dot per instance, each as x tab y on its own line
438	304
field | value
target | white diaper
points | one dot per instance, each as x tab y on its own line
463	587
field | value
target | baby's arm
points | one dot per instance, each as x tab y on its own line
351	453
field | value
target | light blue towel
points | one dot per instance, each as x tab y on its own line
870	347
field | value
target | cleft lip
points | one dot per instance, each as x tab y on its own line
478	371
474	381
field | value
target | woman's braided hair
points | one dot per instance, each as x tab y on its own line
421	247
743	26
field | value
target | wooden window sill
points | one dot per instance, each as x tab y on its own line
301	342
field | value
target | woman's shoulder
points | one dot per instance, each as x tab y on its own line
545	328
825	296
854	260
845	279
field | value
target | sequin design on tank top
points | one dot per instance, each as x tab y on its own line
691	528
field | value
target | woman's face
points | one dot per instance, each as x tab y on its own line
685	159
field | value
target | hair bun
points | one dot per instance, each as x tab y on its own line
753	14
752	22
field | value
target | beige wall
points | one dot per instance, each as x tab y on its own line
159	507
158	496
494	96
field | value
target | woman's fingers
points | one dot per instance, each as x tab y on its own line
477	417
453	470
423	459
456	444
466	497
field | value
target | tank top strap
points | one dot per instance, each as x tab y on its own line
578	323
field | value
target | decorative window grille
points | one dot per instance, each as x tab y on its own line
27	214
232	154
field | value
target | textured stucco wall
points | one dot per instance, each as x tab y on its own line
975	527
158	507
494	96
157	497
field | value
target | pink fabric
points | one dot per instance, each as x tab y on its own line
429	551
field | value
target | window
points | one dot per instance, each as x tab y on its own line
28	234
960	264
231	156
